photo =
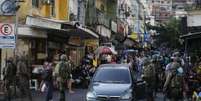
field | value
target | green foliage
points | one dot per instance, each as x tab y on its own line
169	33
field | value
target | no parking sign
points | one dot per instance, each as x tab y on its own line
7	35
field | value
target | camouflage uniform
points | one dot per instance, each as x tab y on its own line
23	74
9	77
149	75
168	89
64	71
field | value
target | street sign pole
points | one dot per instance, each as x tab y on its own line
16	32
15	49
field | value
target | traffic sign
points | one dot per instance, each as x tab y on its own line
6	29
7	35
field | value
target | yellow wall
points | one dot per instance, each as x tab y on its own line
45	10
25	9
62	9
99	3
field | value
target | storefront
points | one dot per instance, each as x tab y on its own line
63	37
192	43
32	43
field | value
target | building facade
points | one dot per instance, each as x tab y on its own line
161	10
46	28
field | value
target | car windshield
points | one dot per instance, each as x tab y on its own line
112	76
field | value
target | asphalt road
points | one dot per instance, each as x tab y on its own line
79	95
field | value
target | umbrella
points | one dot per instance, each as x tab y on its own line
104	50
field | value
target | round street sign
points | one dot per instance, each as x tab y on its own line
6	29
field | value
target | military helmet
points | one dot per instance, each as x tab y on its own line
146	61
154	58
63	57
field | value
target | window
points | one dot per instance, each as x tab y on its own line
110	75
53	8
35	3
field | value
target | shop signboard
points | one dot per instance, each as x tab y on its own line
43	23
74	40
122	28
7	35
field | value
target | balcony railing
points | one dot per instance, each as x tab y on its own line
102	19
97	17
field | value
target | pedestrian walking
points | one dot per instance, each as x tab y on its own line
174	86
149	75
23	75
64	72
48	79
9	77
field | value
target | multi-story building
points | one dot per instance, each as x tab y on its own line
102	17
161	10
192	29
47	27
179	7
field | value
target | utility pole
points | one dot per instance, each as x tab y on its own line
17	6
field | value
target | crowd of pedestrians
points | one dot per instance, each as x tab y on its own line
170	73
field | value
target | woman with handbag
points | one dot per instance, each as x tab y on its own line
47	85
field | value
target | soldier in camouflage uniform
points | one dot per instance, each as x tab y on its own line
23	74
149	75
9	76
64	71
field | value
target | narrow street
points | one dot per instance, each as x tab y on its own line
79	95
122	50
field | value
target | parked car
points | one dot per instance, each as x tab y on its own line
112	82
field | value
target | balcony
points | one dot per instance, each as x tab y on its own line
193	7
102	19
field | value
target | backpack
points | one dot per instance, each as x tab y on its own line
23	70
10	70
64	70
149	71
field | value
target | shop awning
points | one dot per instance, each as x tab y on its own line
88	31
69	27
191	35
25	31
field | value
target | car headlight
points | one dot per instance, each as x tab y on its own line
127	95
90	96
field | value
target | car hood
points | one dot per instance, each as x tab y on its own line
109	89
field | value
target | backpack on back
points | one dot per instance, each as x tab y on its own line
149	71
64	70
10	70
23	68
